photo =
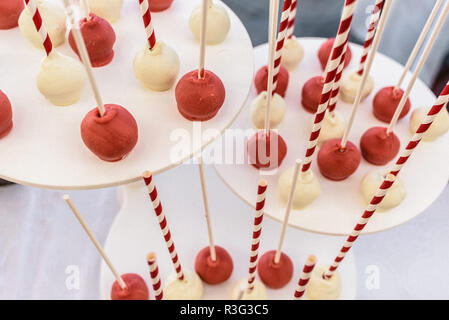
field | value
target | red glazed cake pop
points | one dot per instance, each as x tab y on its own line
111	136
378	147
10	11
99	38
336	163
311	93
275	275
199	99
159	5
259	150
261	80
386	101
5	115
325	51
214	272
136	288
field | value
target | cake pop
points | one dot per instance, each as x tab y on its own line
9	13
157	69
350	85
438	128
99	38
259	107
199	99
320	288
54	20
61	79
107	9
261	80
136	288
218	23
394	196
307	188
275	275
5	115
325	51
386	101
332	127
190	288
111	136
337	163
378	147
214	272
266	151
311	93
159	5
259	291
292	54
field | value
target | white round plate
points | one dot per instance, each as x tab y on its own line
341	203
45	149
135	232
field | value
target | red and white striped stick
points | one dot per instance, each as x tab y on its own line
155	277
331	70
336	86
292	18
389	179
260	204
146	16
152	191
37	20
305	277
282	33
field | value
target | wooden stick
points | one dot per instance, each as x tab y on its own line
288	209
419	43
86	228
203	31
366	71
84	56
86	9
419	67
213	253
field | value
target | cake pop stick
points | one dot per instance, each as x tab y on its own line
37	20
292	18
86	9
203	30
146	16
280	41
336	86
305	277
155	277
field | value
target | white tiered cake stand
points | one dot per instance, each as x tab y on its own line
341	203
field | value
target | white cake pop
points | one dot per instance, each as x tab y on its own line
292	54
332	127
307	188
259	106
191	288
350	85
323	289
258	293
218	23
395	195
61	79
54	20
157	69
439	126
107	9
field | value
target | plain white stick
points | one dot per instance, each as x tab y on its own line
85	6
203	30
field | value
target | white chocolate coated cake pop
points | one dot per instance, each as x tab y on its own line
394	196
190	288
323	289
157	69
259	106
54	20
439	126
61	79
218	23
350	85
332	127
258	293
292	54
307	188
107	9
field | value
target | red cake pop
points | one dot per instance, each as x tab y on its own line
259	150
275	275
311	93
136	288
261	80
214	272
159	5
111	136
325	51
378	147
5	115
199	99
386	101
337	163
10	11
99	38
